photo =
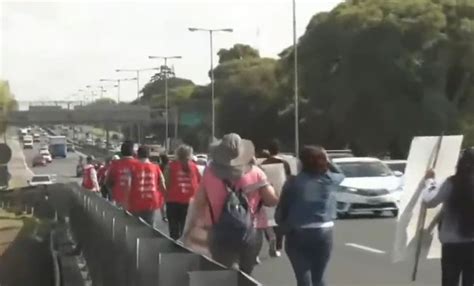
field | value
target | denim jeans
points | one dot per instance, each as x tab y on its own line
457	262
309	250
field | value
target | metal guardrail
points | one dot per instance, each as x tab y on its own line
120	249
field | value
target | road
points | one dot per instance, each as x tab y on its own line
361	255
65	169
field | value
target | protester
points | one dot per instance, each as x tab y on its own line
147	188
164	160
457	225
89	176
233	191
102	175
118	178
101	178
275	158
182	179
306	212
273	233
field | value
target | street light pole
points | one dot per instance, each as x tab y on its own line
295	53
118	81
213	103
137	71
211	46
167	128
138	92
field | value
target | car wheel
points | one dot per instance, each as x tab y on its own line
395	213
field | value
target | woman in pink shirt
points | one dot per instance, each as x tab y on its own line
231	165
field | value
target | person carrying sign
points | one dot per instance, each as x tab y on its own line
273	234
457	225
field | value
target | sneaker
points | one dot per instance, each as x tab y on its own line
273	251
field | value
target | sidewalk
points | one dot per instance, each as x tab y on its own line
17	166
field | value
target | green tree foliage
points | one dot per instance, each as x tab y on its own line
178	90
375	73
237	52
7	103
372	74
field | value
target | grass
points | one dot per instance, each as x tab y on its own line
17	182
10	227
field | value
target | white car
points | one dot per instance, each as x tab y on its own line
369	187
41	180
396	165
46	155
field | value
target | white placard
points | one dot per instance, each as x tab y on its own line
421	154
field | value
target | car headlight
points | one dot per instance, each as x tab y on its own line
348	190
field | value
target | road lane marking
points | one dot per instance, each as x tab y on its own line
366	248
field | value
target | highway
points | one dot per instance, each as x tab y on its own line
361	254
65	169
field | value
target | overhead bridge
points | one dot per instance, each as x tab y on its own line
85	115
80	115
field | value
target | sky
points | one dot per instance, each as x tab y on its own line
50	50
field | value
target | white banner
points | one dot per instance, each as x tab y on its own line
277	177
422	152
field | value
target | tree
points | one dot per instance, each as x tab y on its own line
376	72
237	52
7	103
246	91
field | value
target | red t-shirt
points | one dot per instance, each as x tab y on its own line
183	185
120	173
145	193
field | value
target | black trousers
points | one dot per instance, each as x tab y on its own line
274	234
176	214
457	261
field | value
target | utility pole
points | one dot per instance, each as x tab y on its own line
137	71
296	96
164	70
211	45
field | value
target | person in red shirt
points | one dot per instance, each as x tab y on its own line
119	175
89	176
147	188
183	182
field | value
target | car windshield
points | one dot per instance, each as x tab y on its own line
397	166
364	169
40	179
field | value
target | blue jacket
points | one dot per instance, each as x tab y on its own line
308	198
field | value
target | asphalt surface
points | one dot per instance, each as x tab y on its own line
361	250
64	169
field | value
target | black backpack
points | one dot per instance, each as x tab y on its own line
235	225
